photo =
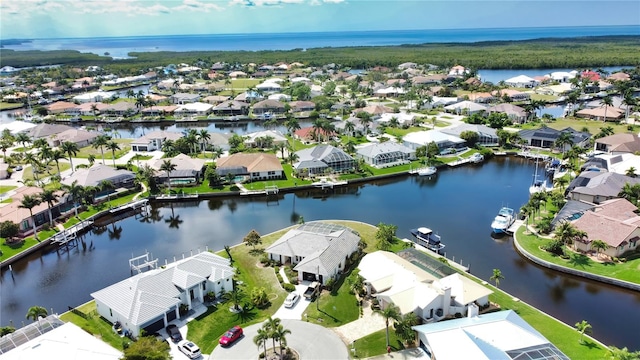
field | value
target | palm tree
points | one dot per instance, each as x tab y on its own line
270	325
204	137
192	139
565	232
77	192
583	327
32	159
565	138
36	312
71	149
292	125
392	311
293	157
167	166
94	109
623	354
280	334
113	146
261	339
5	144
236	295
99	143
106	185
631	172
29	202
628	100
606	101
56	155
49	196
497	276
318	128
599	245
404	327
23	139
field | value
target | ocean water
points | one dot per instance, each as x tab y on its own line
119	47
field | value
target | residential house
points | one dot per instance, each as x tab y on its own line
391	91
522	81
619	76
215	99
22	217
195	108
394	280
153	141
94	175
386	154
231	107
407	65
403	118
122	108
95	96
563	76
621	143
266	107
302	106
280	97
184	98
513	95
159	110
237	74
486	136
620	163
595	187
17	126
465	107
429	79
458	70
269	87
264	139
444	141
497	335
605	113
615	222
46	131
318	250
150	300
254	166
310	134
517	114
545	137
321	159
79	137
60	107
375	110
188	170
480	97
87	109
218	140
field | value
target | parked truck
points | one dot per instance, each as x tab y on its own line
312	290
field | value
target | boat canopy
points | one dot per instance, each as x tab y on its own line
424	230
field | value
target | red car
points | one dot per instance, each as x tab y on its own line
231	336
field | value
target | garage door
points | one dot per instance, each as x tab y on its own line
171	315
154	326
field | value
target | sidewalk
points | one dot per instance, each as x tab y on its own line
406	354
368	323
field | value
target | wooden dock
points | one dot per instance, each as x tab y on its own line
459	162
532	155
70	234
514	227
130	206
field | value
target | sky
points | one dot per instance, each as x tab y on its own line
109	18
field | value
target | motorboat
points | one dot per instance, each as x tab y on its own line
476	158
539	185
428	171
503	220
425	237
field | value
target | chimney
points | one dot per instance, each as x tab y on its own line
472	310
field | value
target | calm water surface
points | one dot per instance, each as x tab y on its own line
459	204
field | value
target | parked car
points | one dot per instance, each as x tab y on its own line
231	336
291	299
190	349
18	168
174	333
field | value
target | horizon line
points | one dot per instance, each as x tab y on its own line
325	32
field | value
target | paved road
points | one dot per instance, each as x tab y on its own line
309	340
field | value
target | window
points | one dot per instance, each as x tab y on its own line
110	312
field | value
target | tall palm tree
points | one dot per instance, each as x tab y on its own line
606	101
392	311
598	246
71	149
292	125
204	137
36	312
261	339
191	138
270	325
497	276
236	295
32	159
565	138
23	139
280	334
113	146
77	193
583	327
106	185
56	155
167	166
29	202
94	109
623	354
99	143
565	232
50	197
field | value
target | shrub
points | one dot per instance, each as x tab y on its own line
279	278
234	188
554	247
289	287
277	269
264	260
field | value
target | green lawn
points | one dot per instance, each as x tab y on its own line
400	132
240	84
374	344
578	124
52	169
334	308
624	271
9	106
94	325
90	150
13	249
5	188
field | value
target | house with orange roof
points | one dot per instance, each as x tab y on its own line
621	143
21	216
605	113
458	70
619	76
59	107
254	166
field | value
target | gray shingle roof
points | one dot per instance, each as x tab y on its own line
386	147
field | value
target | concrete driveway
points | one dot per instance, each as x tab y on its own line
309	340
295	312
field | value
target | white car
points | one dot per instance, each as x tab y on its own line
190	349
291	299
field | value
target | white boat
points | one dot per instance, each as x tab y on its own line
425	237
431	170
539	185
503	220
476	158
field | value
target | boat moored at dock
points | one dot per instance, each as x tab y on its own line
476	158
425	237
503	220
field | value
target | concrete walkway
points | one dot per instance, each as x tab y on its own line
407	354
368	323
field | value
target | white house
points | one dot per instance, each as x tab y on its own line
465	107
95	96
521	81
256	139
318	250
196	108
151	300
563	76
153	141
386	154
402	117
269	87
498	335
423	138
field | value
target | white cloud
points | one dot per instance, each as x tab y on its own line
195	5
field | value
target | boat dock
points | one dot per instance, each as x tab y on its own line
459	162
514	227
533	156
70	234
133	206
325	183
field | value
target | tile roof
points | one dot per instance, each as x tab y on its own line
94	175
253	162
599	227
44	130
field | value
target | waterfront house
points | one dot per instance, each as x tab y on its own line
563	76
545	137
403	118
458	70
249	96
92	176
215	99
605	113
321	159
522	81
195	108
153	141
429	79
79	137
386	154
87	109
20	216
595	187
423	138
486	136
188	170
268	107
47	131
96	96
517	114
394	280
620	163
375	110
150	300
614	222
59	107
184	98
264	139
621	143
159	110
513	95
465	107
122	108
254	166
280	97
480	97
302	106
497	335
310	134
231	107
318	251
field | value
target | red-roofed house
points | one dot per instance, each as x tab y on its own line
590	75
312	134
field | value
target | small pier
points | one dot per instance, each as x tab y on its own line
514	227
69	235
271	189
325	183
459	162
142	263
533	156
130	206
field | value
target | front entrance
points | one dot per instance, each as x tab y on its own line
192	294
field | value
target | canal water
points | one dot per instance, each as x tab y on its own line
459	204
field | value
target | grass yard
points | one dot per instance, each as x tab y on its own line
240	84
9	106
90	150
624	271
592	125
374	344
400	132
95	325
52	169
5	188
334	308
